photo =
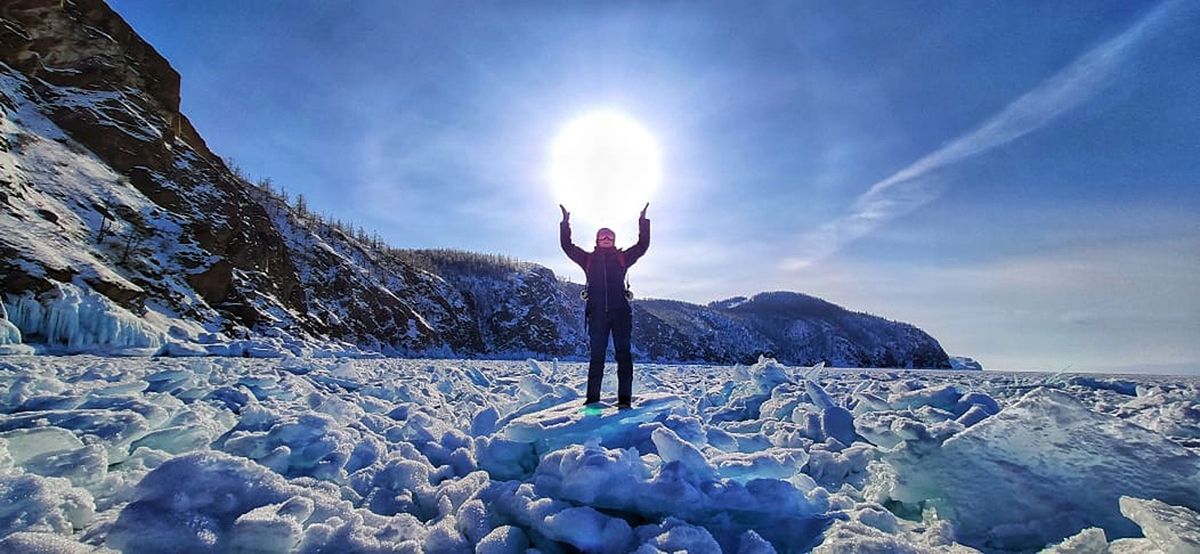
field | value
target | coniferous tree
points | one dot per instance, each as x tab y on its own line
301	205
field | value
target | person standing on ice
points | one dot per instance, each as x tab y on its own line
608	309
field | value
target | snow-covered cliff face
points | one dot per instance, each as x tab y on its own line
121	232
963	363
105	186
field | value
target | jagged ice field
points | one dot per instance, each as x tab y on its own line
405	455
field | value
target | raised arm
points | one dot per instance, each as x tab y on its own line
636	251
564	238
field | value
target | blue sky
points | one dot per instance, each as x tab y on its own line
1019	179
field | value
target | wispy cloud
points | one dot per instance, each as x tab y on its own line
914	186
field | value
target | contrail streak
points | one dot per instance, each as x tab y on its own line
909	188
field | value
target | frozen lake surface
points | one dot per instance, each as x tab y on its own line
324	455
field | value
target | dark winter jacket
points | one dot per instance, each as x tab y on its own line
605	267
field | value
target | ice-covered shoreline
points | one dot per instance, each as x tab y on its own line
295	454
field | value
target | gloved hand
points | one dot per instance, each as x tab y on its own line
567	215
643	216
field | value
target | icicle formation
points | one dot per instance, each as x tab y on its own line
9	333
78	319
10	337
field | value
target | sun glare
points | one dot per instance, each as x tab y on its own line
604	166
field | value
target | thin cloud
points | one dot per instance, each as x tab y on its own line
1108	301
912	187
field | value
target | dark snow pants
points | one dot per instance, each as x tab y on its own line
619	322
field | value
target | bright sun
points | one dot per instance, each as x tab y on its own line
604	167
